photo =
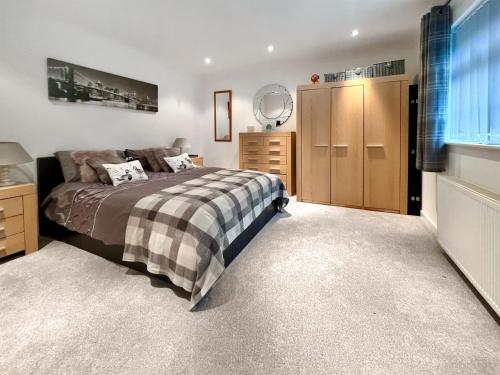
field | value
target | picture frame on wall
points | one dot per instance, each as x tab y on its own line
69	82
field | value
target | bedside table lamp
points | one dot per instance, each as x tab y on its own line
11	153
181	143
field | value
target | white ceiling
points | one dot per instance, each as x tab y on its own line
236	33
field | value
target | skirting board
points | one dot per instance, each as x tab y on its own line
429	224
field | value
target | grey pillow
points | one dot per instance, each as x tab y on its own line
152	160
68	166
140	155
74	163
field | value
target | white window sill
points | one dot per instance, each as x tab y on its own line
474	145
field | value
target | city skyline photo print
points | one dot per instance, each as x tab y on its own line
74	83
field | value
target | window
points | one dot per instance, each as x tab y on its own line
474	100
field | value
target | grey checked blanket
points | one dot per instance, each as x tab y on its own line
182	231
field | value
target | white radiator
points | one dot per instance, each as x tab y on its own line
469	231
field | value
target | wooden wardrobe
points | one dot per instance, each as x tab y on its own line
352	143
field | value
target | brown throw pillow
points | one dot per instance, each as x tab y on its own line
86	172
161	153
73	161
153	162
141	156
102	173
68	166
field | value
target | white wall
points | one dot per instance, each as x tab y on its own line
290	73
429	192
32	31
476	165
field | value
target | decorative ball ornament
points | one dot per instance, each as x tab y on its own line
315	78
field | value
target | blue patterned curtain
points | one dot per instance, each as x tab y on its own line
435	31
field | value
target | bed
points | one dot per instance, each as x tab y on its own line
196	213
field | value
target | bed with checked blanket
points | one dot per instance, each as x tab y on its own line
182	231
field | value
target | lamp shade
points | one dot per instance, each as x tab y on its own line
12	153
181	143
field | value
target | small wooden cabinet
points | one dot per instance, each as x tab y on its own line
197	160
271	152
18	219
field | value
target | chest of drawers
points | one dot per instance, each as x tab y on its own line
18	219
271	152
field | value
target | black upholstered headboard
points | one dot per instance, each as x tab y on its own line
49	175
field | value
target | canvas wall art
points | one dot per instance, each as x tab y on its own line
74	83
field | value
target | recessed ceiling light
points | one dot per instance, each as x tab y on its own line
208	60
270	48
355	33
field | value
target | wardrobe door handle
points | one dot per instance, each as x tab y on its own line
320	145
340	146
375	146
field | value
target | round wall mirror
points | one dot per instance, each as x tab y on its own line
272	105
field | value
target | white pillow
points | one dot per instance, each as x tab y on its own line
125	172
179	163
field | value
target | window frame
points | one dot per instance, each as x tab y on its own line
467	14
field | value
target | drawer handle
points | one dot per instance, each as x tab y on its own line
253	142
274	160
250	150
274	142
375	146
339	146
2	232
253	169
274	170
275	151
2	248
252	159
320	145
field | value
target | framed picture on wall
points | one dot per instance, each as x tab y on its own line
74	83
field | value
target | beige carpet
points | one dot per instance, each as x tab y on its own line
322	290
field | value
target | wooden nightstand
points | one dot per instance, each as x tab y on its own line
197	160
18	219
